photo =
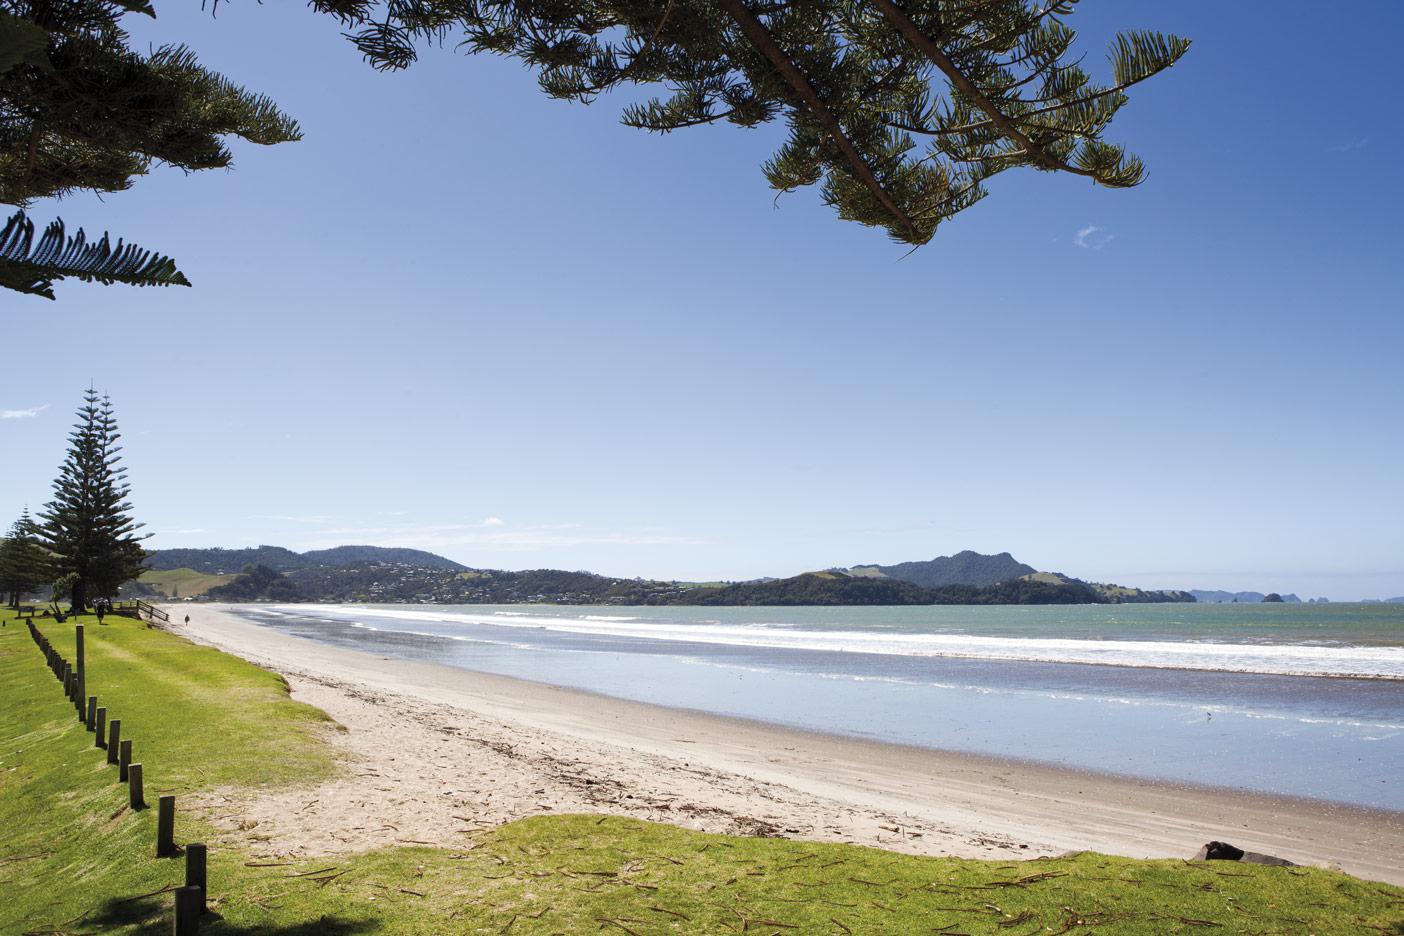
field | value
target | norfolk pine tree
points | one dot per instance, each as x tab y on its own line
900	112
88	525
24	563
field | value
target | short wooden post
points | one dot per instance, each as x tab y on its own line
195	870
124	759
92	712
187	910
68	680
100	729
136	795
114	736
165	827
81	668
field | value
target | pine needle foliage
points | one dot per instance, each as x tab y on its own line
29	268
88	525
81	111
900	112
24	563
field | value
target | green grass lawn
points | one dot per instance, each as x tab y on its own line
74	860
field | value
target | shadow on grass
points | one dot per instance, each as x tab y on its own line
151	916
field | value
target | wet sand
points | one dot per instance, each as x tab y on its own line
433	753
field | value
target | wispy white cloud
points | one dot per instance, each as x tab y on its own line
1351	146
493	522
184	532
294	518
23	413
1092	237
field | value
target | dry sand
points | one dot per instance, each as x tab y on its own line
431	753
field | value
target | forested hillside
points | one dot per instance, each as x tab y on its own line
218	561
374	574
964	568
839	588
812	588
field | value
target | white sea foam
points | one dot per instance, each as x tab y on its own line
1284	659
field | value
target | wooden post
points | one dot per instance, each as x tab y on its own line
114	736
100	729
92	712
82	669
137	796
187	911
68	680
124	759
195	870
165	827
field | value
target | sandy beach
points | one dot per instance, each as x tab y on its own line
432	754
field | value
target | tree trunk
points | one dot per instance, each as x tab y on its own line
80	603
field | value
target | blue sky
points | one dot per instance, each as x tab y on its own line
465	317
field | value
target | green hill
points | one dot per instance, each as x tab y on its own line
257	583
349	555
1115	594
228	561
842	588
811	588
225	561
964	568
181	583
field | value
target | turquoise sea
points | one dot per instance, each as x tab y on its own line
1305	700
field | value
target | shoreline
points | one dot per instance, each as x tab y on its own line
955	655
443	751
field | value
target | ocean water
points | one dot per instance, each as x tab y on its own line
1304	700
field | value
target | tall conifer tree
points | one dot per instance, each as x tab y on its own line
88	524
24	563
